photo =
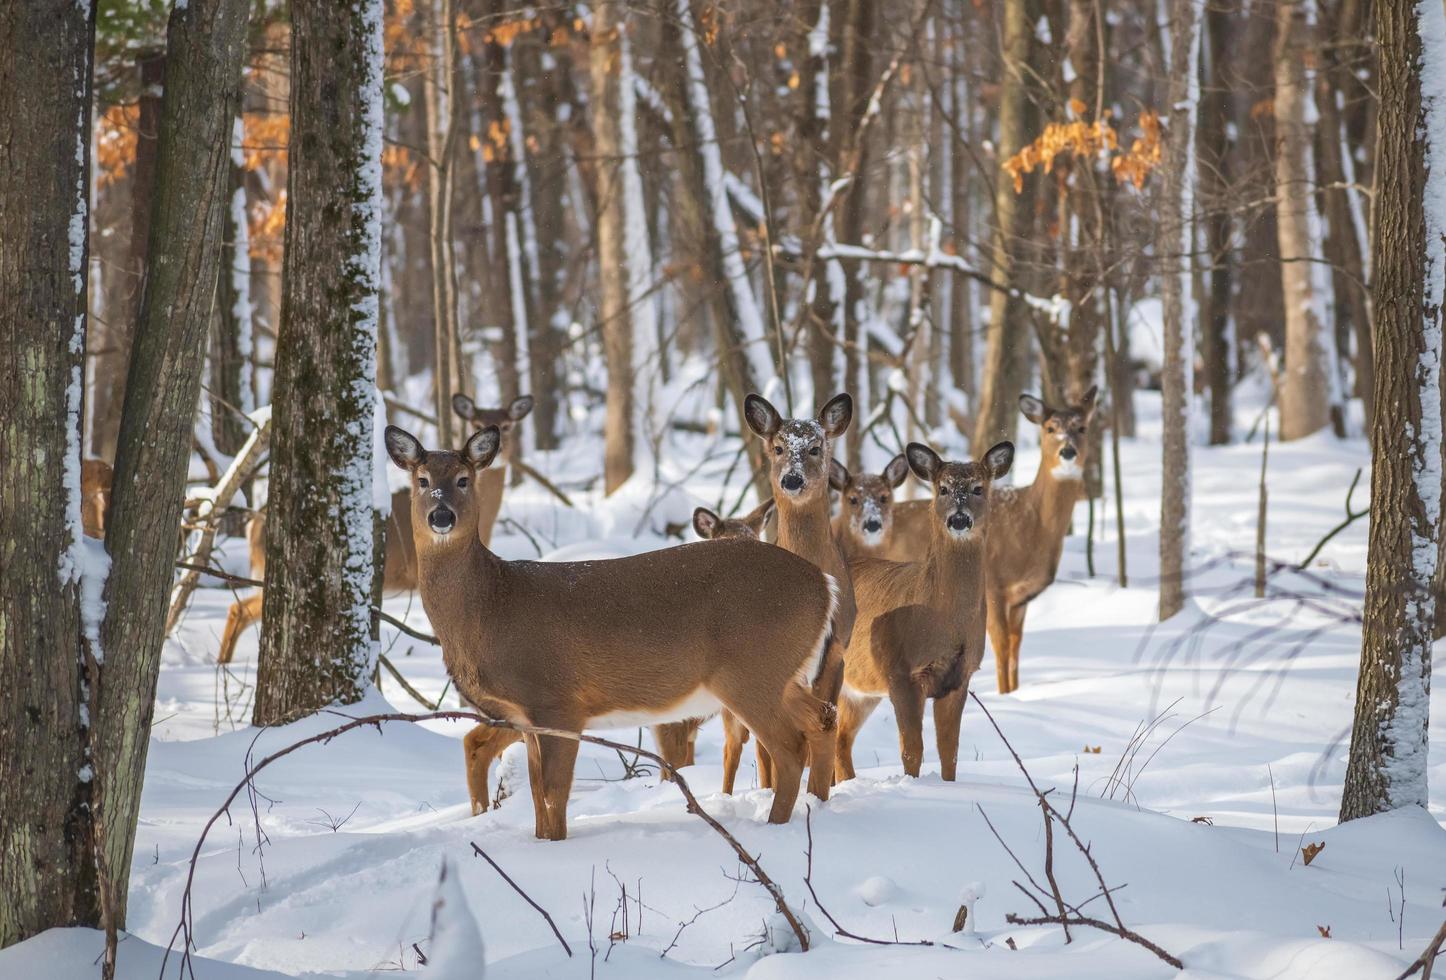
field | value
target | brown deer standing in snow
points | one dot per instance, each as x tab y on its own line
799	452
663	636
920	627
1030	524
492	482
864	523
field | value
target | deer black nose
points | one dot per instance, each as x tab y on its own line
1068	453
960	522
442	520
873	526
792	482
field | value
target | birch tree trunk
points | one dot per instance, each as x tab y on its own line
47	864
1176	206
1306	383
1387	767
316	642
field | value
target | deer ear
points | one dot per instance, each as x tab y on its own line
481	449
463	406
999	458
1033	409
705	522
762	417
838	476
519	408
759	517
897	471
923	461
403	448
836	415
1087	403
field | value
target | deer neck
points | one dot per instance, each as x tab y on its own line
457	583
806	529
1053	499
951	569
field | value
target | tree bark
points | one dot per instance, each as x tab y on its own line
316	641
442	104
1306	383
1215	204
1387	766
47	865
1175	249
1006	365
231	347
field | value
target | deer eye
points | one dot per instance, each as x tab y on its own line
778	450
854	501
461	482
884	499
815	451
979	491
423	482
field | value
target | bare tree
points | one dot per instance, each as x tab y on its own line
316	642
1387	767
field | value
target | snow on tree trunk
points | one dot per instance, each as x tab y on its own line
47	868
231	353
1387	767
1176	205
1307	384
316	642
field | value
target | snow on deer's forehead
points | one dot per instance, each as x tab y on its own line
800	434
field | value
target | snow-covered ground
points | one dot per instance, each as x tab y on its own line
1201	827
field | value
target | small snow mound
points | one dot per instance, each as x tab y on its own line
455	952
512	775
779	937
878	890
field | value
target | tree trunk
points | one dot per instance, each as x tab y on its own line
1387	767
1215	203
1006	365
442	106
231	347
1176	208
316	641
47	865
1306	383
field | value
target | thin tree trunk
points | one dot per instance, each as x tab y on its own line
1387	767
1216	206
1176	207
47	862
442	105
231	347
316	642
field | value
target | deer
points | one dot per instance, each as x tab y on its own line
865	520
1031	523
399	571
494	481
798	452
920	627
96	477
658	637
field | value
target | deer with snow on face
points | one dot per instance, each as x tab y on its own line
492	482
799	452
865	520
920	627
1030	524
657	637
676	740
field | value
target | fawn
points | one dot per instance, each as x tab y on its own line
1030	524
920	627
676	739
492	482
657	637
865	520
799	452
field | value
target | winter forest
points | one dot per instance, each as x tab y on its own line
687	488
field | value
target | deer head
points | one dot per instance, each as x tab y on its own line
505	419
444	499
711	527
961	490
1062	441
868	500
798	449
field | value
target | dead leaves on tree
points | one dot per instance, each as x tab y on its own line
1078	139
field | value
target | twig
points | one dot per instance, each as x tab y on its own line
384	661
1351	517
1084	920
1427	959
547	484
1273	810
838	929
525	897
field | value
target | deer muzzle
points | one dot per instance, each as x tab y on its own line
442	519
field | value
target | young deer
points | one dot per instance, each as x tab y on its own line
676	739
399	573
920	627
799	452
865	519
493	482
1032	522
663	636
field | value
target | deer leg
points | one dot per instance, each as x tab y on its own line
559	758
242	614
997	613
692	744
765	764
908	700
674	743
534	780
480	747
735	733
1016	635
787	731
853	711
823	746
948	712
